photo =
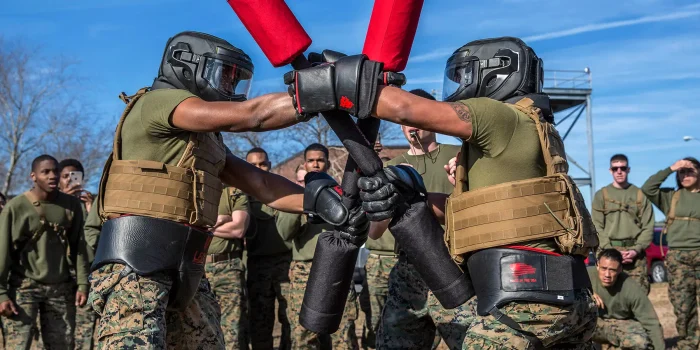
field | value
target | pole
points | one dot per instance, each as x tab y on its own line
589	132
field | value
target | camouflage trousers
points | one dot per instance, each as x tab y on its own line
132	312
622	334
377	270
54	304
637	269
570	326
85	319
227	280
268	280
302	338
683	290
412	317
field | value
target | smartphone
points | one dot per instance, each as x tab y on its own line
76	177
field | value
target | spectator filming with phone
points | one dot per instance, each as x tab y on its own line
71	182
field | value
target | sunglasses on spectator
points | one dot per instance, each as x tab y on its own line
616	168
687	171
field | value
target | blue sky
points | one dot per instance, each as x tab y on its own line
643	55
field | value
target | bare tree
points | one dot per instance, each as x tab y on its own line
74	136
31	90
316	130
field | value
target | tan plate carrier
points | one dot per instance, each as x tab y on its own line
188	192
519	211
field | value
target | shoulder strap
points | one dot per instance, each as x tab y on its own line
461	181
551	143
605	197
670	217
640	202
36	235
130	102
37	205
674	202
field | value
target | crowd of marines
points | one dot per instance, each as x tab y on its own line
187	246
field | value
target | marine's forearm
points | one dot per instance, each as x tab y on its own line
401	107
235	229
271	189
652	188
269	112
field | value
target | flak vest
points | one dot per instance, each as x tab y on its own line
188	192
525	210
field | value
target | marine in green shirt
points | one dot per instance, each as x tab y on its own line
624	219
681	205
224	267
168	142
304	236
71	182
491	89
406	315
40	234
269	258
626	317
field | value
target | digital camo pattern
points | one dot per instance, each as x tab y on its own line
132	311
57	316
622	334
683	285
227	280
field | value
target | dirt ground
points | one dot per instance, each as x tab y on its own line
659	297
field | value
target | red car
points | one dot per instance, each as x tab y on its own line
655	260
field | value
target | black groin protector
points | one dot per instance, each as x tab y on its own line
150	245
518	275
421	237
329	283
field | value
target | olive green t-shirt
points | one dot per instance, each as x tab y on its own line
504	147
682	234
626	300
263	237
303	235
231	200
431	168
148	134
617	225
46	260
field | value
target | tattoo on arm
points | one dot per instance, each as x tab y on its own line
462	111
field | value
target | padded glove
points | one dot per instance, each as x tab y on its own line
349	84
382	200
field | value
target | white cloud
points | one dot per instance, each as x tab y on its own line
431	55
614	24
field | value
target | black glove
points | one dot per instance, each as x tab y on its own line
356	228
349	84
330	56
382	200
322	200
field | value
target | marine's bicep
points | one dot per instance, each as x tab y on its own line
157	109
493	125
